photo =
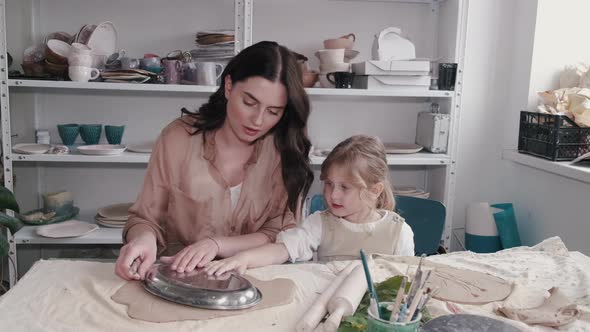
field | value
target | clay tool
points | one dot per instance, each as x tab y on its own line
398	300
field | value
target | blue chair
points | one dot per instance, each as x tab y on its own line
426	217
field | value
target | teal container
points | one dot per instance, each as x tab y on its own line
376	324
482	244
90	133
114	134
68	133
507	225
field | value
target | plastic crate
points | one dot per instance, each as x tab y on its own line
553	137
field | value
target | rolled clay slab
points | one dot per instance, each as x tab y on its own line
147	307
467	287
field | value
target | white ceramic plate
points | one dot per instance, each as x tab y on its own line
103	39
404	190
70	228
141	147
102	149
402	148
115	211
110	224
31	148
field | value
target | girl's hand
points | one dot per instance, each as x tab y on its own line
196	255
135	258
237	263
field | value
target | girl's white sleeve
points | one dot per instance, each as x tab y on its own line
304	239
405	244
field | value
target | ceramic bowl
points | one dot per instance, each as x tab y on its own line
310	78
55	69
57	51
60	35
333	67
338	43
33	69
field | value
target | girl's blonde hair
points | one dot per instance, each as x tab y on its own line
365	159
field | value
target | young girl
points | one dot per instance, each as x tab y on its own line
359	215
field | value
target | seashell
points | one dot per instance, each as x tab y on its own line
48	216
32	217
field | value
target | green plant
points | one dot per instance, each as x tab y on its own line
7	202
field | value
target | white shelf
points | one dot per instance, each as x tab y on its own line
422	158
563	168
399	1
41	84
103	235
125	157
110	86
401	93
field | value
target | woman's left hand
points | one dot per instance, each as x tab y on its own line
196	255
237	263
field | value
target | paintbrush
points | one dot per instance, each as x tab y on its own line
374	301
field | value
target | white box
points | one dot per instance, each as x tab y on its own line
394	67
413	83
432	131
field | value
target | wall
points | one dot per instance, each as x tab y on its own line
515	49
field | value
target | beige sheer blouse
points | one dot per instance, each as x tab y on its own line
185	199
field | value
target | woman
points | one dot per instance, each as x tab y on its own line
229	177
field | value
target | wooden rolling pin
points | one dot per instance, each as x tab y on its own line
318	310
346	299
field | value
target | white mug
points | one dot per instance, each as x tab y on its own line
83	60
208	72
83	74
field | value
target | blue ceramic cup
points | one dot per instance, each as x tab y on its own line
114	134
90	133
68	133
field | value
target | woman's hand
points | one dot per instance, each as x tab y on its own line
196	255
237	263
136	257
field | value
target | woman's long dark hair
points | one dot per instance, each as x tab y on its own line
274	63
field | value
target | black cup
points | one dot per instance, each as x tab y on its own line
341	79
447	74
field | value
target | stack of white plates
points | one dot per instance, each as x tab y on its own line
115	215
410	191
102	149
402	148
31	148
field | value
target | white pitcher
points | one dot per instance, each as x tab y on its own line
390	45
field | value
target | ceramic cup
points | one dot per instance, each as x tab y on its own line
447	74
114	134
376	324
151	63
80	60
341	79
208	72
68	133
90	133
60	202
82	74
335	55
129	63
172	71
